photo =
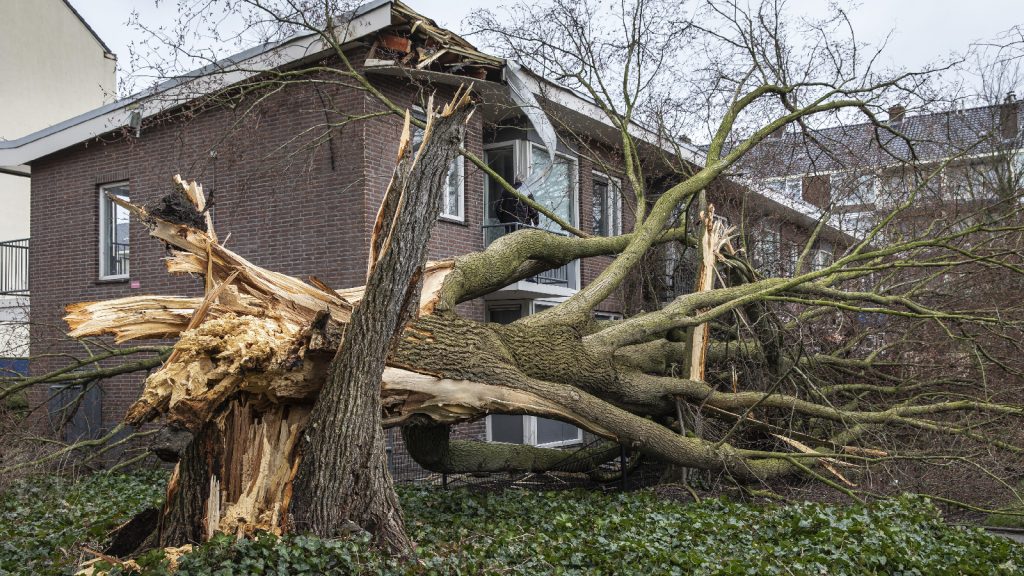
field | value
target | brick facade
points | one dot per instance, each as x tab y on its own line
291	208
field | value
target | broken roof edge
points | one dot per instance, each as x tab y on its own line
581	103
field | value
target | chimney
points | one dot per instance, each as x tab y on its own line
896	113
1008	117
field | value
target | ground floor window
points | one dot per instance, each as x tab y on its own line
522	429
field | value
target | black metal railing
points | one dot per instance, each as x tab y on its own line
117	259
14	267
555	277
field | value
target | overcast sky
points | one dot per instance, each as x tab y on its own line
923	30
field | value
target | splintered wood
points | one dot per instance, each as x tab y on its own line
250	358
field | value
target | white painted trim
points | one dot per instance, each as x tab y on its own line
581	104
104	229
618	195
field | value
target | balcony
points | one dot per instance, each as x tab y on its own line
14	268
558	282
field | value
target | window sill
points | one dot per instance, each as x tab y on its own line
112	279
453	220
559	444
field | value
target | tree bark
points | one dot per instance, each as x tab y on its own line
343	477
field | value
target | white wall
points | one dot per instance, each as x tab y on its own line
51	65
51	68
14	312
14	198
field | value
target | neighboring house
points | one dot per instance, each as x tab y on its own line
947	167
53	66
317	220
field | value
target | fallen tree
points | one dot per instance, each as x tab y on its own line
261	358
254	354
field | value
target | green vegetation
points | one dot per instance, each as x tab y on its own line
516	532
45	520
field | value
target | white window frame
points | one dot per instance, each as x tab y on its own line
791	186
574	170
459	166
106	214
517	160
823	257
530	422
617	192
768	255
530	434
845	188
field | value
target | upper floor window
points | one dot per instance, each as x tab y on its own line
607	206
453	197
823	256
767	242
113	232
791	187
553	185
853	189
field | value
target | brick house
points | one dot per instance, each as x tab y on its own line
308	210
964	159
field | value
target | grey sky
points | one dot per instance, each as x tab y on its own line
923	30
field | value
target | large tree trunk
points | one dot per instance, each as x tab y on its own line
264	359
343	476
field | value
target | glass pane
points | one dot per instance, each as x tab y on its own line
505	315
451	202
600	208
614	206
555	431
502	161
507	428
555	190
116	243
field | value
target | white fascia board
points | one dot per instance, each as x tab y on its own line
581	104
369	19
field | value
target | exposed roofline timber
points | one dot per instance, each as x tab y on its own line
367	19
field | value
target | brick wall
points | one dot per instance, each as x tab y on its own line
284	205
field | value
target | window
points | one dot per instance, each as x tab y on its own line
791	187
557	190
853	190
521	429
823	256
766	248
453	203
607	206
554	185
453	198
113	232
